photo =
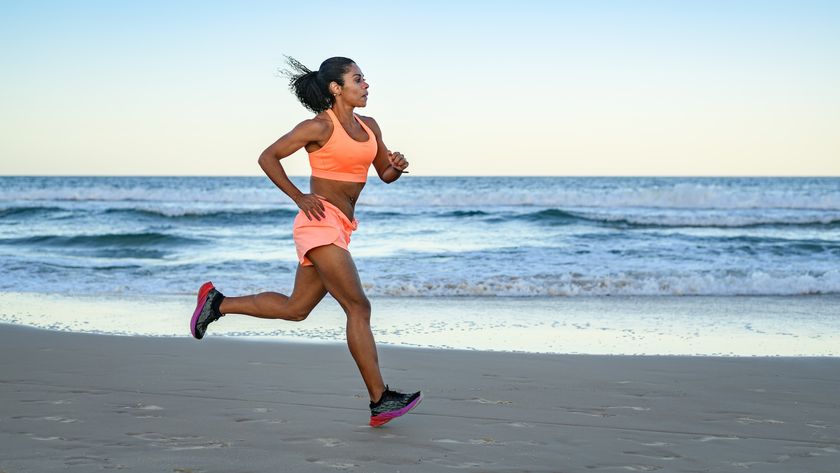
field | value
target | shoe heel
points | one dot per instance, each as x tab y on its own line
203	290
202	297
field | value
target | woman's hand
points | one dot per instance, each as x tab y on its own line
311	205
397	161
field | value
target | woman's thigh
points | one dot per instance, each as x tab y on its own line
308	290
339	275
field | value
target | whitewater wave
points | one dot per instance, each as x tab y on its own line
261	276
711	283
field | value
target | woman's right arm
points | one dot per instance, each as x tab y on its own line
306	132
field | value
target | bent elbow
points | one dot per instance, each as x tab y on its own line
263	159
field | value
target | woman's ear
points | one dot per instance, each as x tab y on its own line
335	89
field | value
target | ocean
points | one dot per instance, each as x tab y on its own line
491	241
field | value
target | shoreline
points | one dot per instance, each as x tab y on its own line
248	339
80	402
728	326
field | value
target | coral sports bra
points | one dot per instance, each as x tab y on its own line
342	158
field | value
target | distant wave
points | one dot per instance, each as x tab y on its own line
551	216
685	219
127	240
206	214
664	196
466	213
554	216
28	211
141	193
169	213
473	194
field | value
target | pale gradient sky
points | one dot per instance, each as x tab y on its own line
475	88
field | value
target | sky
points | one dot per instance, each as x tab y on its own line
598	87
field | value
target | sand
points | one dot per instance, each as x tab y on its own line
83	402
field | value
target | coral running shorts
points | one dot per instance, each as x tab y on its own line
334	229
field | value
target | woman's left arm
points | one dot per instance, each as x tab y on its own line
389	165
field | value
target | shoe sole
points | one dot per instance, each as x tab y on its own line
202	299
386	417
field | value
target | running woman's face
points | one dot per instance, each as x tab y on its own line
354	92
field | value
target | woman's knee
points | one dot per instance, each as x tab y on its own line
298	314
358	308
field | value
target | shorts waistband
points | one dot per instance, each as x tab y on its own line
344	220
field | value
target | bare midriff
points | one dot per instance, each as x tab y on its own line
342	194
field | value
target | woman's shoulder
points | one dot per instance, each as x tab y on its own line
316	127
370	122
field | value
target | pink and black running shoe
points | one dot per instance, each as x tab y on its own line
391	405
206	310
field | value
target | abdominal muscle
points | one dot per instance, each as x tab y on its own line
342	194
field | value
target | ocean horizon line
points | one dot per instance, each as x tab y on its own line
553	176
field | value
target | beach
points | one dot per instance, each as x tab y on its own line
87	402
554	324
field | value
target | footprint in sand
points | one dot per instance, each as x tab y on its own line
647	444
595	412
45	439
655	456
458	466
520	425
175	443
84	460
332	464
630	467
331	442
712	438
44	401
481	441
141	411
751	420
63	420
259	421
817	425
487	401
146	407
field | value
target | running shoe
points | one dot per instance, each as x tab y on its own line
207	309
392	405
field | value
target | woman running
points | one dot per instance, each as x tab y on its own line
341	147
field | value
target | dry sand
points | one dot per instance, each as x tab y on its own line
79	402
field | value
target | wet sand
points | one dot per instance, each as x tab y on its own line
83	402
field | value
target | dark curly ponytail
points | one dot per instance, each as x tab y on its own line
312	87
